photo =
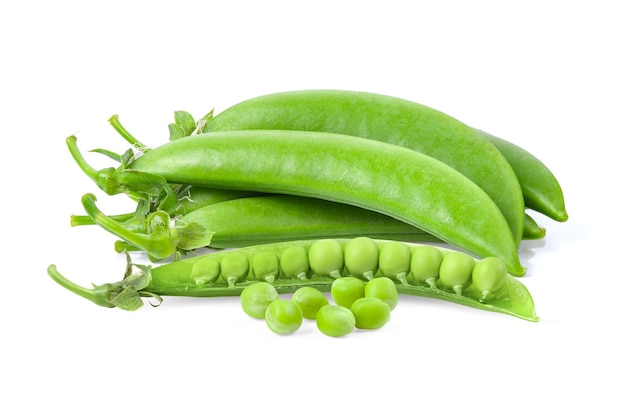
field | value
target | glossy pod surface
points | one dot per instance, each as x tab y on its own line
273	218
542	191
398	182
387	119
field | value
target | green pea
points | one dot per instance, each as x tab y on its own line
425	264
394	261
283	316
294	262
335	320
256	298
383	288
205	270
326	258
346	290
264	266
310	300
370	313
234	268
456	271
489	276
361	257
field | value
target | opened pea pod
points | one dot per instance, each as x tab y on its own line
453	276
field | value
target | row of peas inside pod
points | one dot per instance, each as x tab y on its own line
356	304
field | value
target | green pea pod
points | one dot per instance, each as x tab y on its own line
273	218
245	221
182	278
398	182
388	119
542	191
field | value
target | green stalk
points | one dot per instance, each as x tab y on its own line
159	244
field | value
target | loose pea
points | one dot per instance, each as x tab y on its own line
294	262
361	257
234	267
346	290
394	261
425	263
326	258
489	276
370	313
205	270
310	300
335	320
283	316
264	266
256	297
383	288
456	271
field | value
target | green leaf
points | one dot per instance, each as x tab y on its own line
107	153
176	132
193	236
128	299
186	121
127	157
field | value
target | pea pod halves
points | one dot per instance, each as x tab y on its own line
227	273
387	119
392	180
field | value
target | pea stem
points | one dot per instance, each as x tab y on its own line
158	245
82	220
98	295
115	122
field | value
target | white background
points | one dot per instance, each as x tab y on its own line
547	75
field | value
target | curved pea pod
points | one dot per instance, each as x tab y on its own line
541	189
391	120
392	180
238	218
493	290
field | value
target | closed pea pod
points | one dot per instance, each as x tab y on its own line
265	266
416	192
361	257
294	262
425	264
456	271
390	120
489	276
326	258
540	188
395	261
234	268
